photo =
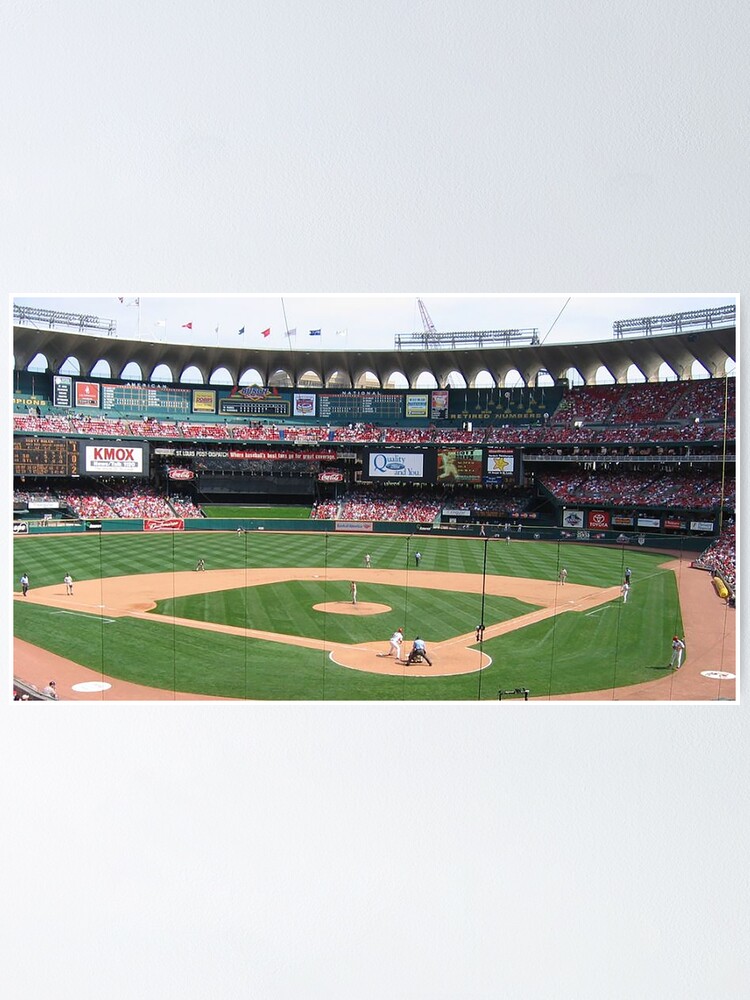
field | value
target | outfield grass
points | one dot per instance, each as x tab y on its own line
615	645
295	513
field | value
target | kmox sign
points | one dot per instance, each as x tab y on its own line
114	458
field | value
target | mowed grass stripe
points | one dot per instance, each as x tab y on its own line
289	608
565	659
615	647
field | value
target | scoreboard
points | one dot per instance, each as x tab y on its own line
357	405
45	457
274	407
142	396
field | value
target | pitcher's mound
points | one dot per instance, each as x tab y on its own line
347	608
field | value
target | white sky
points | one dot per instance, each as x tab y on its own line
371	321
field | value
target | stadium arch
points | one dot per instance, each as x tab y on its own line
221	376
251	376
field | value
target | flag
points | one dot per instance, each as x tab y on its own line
216	329
187	326
266	333
315	333
292	333
241	331
341	333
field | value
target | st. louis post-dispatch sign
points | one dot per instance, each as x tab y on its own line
113	458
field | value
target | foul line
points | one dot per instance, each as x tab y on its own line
80	614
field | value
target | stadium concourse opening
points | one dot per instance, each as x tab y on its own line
543	540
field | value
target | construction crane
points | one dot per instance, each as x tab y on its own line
429	326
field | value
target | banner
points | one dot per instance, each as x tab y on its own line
330	476
20	527
672	522
648	522
439	406
353	526
701	525
598	520
163	524
181	474
621	521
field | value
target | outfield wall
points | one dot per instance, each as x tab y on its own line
689	543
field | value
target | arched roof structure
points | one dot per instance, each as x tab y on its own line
710	347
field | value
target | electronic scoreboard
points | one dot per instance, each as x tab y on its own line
45	457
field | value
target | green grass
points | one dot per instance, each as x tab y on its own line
295	513
288	608
615	646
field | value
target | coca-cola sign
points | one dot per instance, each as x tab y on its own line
330	476
181	474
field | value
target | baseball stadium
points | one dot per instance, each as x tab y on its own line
462	516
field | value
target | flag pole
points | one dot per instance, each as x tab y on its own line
286	325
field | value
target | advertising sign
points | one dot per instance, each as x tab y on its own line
304	404
181	474
598	519
204	401
573	519
417	406
87	394
621	521
648	522
395	465
163	524
114	458
501	463
701	525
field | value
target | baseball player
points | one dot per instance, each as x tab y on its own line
68	581
395	643
678	648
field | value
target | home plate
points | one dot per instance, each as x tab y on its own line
88	686
718	675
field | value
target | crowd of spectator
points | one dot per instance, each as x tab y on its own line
689	490
651	402
658	412
721	556
381	505
184	506
425	505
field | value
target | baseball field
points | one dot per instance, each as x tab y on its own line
272	616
